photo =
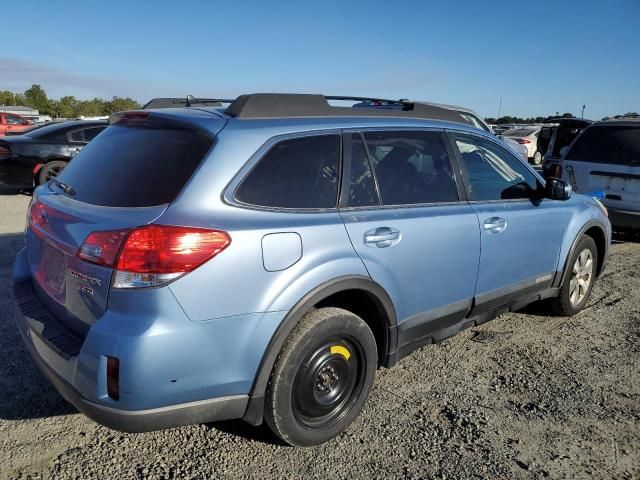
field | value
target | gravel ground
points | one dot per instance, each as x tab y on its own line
524	396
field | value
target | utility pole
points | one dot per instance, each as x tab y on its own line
583	107
499	107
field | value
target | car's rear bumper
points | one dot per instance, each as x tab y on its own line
53	364
172	370
624	218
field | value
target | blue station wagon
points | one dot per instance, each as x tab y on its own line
262	261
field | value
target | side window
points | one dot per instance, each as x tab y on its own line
362	187
493	172
91	133
296	173
12	120
76	135
411	167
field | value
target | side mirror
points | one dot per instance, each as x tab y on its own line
557	189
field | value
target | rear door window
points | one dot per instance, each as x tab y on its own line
613	145
135	167
299	173
411	167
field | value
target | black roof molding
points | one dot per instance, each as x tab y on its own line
285	105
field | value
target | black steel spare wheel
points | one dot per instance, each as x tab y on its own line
328	382
321	378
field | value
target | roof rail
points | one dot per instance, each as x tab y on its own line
285	105
188	101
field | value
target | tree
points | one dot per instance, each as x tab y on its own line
92	108
567	115
119	104
68	107
36	97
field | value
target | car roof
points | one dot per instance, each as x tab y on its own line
622	121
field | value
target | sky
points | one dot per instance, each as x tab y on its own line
538	58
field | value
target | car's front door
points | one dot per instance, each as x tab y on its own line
521	232
406	220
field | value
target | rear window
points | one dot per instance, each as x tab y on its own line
296	173
612	145
135	167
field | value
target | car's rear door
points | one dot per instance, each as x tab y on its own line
411	227
606	158
521	233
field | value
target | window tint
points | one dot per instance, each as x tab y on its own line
296	173
135	167
91	133
362	187
614	145
493	172
76	135
411	167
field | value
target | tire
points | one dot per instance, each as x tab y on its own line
321	378
49	170
537	158
566	304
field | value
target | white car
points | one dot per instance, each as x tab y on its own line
605	158
528	137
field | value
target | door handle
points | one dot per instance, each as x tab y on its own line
495	224
381	237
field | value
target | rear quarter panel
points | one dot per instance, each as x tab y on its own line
236	281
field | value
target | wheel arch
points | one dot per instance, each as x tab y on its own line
349	292
596	230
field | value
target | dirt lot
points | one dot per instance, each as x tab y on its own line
524	396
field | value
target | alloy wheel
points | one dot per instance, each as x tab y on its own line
581	277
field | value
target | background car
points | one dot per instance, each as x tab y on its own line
10	122
557	134
527	136
42	152
606	157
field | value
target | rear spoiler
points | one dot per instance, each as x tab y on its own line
188	101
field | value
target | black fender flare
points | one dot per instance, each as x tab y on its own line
254	412
587	226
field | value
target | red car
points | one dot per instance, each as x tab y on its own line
10	122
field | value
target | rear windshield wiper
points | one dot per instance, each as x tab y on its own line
68	189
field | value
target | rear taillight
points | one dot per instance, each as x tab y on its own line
37	213
152	255
522	141
102	247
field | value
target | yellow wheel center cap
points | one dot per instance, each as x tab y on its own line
340	350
